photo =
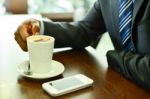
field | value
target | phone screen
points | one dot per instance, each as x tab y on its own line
66	83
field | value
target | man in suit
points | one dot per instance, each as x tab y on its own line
129	32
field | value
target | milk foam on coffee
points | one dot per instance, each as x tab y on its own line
40	39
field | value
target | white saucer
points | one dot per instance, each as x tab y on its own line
57	69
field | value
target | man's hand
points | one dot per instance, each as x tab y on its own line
26	29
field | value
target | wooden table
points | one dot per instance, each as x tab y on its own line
107	83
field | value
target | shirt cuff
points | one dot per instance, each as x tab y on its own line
41	27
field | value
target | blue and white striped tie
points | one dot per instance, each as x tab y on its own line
125	22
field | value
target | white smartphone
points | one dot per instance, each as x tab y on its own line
67	85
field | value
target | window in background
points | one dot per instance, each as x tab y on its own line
58	10
46	6
77	7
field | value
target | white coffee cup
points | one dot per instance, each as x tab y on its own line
40	49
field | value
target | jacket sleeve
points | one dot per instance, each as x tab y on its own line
77	34
133	66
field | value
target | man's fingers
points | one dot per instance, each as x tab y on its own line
35	29
20	41
29	28
26	29
23	31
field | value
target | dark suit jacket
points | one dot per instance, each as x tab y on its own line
103	17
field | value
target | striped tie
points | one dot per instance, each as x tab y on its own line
125	21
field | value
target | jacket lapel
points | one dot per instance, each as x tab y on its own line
137	6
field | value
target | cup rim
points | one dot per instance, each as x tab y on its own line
52	39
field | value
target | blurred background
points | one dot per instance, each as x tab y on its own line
57	10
